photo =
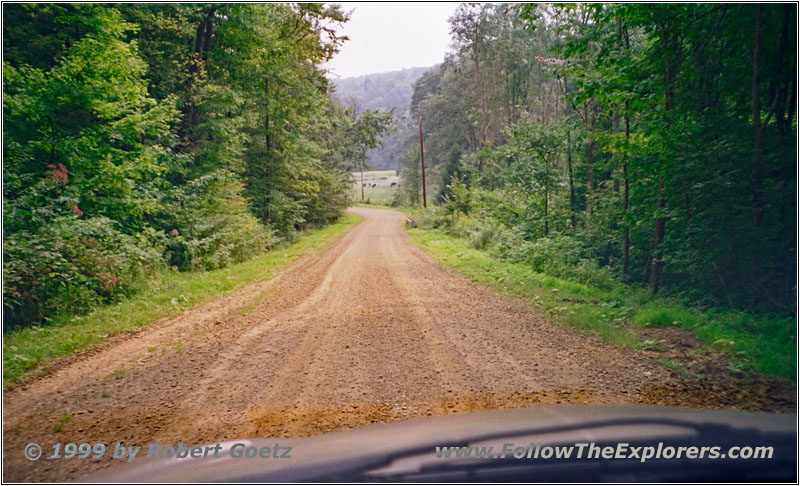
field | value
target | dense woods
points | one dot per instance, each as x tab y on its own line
145	136
653	144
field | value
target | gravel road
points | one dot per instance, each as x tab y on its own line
369	330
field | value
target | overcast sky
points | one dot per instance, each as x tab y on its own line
387	36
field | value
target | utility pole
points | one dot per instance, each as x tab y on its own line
361	168
422	158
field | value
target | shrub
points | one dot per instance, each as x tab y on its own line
69	266
565	257
209	225
483	237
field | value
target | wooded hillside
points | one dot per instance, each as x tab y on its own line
379	91
386	92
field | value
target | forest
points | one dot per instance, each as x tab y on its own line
651	144
140	137
648	144
585	224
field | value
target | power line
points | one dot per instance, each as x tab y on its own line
377	61
362	71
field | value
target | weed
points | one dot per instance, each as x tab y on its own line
59	426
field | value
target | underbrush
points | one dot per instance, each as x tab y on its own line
164	293
60	260
556	280
558	255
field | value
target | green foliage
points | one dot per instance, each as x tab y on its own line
138	136
365	133
756	342
81	177
622	135
211	227
70	265
459	199
387	92
78	132
30	350
410	192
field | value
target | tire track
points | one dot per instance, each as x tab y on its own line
369	330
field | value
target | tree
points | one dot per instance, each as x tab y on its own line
365	134
688	144
86	150
147	135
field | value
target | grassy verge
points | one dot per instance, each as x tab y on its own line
760	343
29	351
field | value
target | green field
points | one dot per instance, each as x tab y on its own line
382	193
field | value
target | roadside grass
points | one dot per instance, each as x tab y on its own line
763	343
30	351
383	192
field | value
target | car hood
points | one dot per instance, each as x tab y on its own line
407	450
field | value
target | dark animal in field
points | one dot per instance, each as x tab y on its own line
373	185
363	185
393	184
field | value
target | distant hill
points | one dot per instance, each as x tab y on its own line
381	91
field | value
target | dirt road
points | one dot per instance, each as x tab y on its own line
370	330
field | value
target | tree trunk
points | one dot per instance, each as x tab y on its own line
790	112
267	146
615	117
267	137
758	131
658	238
571	182
626	199
615	129
202	43
589	122
483	134
656	256
361	169
482	102
207	35
783	82
546	183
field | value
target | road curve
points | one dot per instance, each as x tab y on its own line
369	330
